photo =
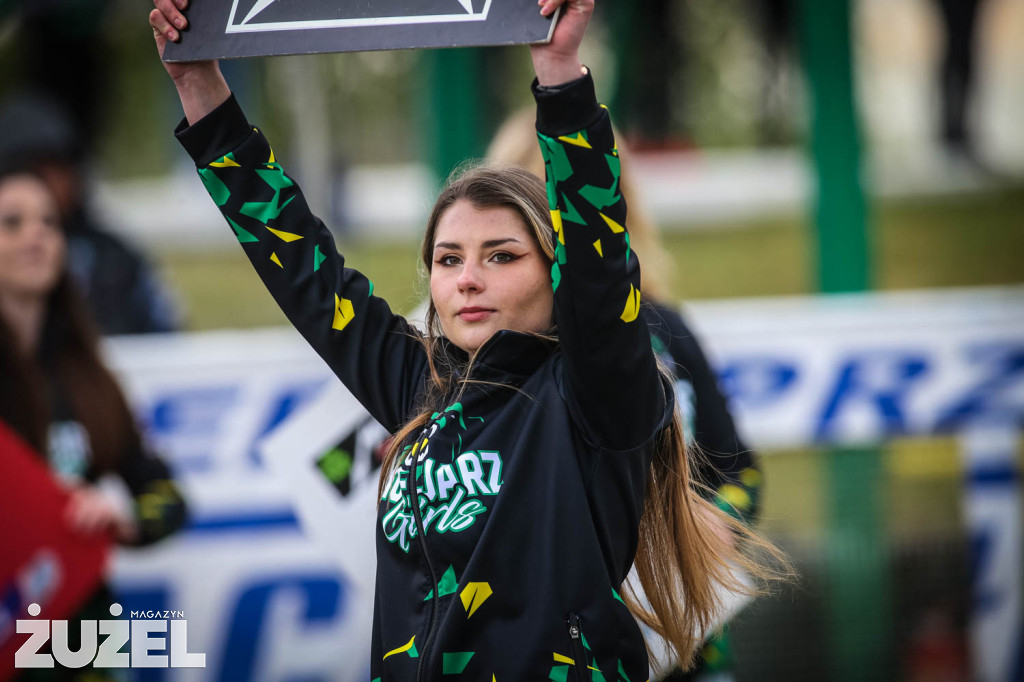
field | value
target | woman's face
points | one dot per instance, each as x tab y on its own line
488	274
31	241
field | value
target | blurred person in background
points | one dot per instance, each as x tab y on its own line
120	286
774	23
57	394
957	76
724	464
651	52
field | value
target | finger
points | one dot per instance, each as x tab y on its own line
100	518
172	10
172	13
86	518
86	525
161	27
547	7
82	522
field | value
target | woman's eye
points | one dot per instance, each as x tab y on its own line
448	259
10	222
502	257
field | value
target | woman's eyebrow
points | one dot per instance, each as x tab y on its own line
489	244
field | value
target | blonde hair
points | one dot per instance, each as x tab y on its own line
681	560
516	143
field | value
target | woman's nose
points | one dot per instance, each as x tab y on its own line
470	278
34	231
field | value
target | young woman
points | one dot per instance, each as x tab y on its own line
537	449
58	396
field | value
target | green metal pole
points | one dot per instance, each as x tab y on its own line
859	605
841	209
452	111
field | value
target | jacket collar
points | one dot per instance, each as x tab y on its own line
507	357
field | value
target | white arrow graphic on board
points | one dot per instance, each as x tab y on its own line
259	7
247	25
263	4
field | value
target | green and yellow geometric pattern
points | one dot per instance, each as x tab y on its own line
266	213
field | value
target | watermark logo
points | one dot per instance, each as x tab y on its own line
143	631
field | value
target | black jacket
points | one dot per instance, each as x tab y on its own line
124	293
724	463
530	488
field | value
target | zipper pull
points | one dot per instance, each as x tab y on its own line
574	625
578	655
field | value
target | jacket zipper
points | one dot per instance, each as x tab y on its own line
576	639
414	498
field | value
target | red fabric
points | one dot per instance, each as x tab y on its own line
43	561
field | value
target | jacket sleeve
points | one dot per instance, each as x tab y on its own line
376	353
611	378
160	509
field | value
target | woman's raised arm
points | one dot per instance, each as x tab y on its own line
373	351
613	383
201	87
558	61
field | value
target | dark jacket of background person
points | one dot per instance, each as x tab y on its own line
120	286
123	292
724	463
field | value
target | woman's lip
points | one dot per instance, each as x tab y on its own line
30	259
474	314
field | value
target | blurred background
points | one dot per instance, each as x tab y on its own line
806	149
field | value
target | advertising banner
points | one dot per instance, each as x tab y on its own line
855	369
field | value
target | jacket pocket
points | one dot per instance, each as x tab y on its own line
579	656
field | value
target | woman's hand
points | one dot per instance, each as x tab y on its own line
558	61
201	87
89	512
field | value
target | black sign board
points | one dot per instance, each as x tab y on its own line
224	29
